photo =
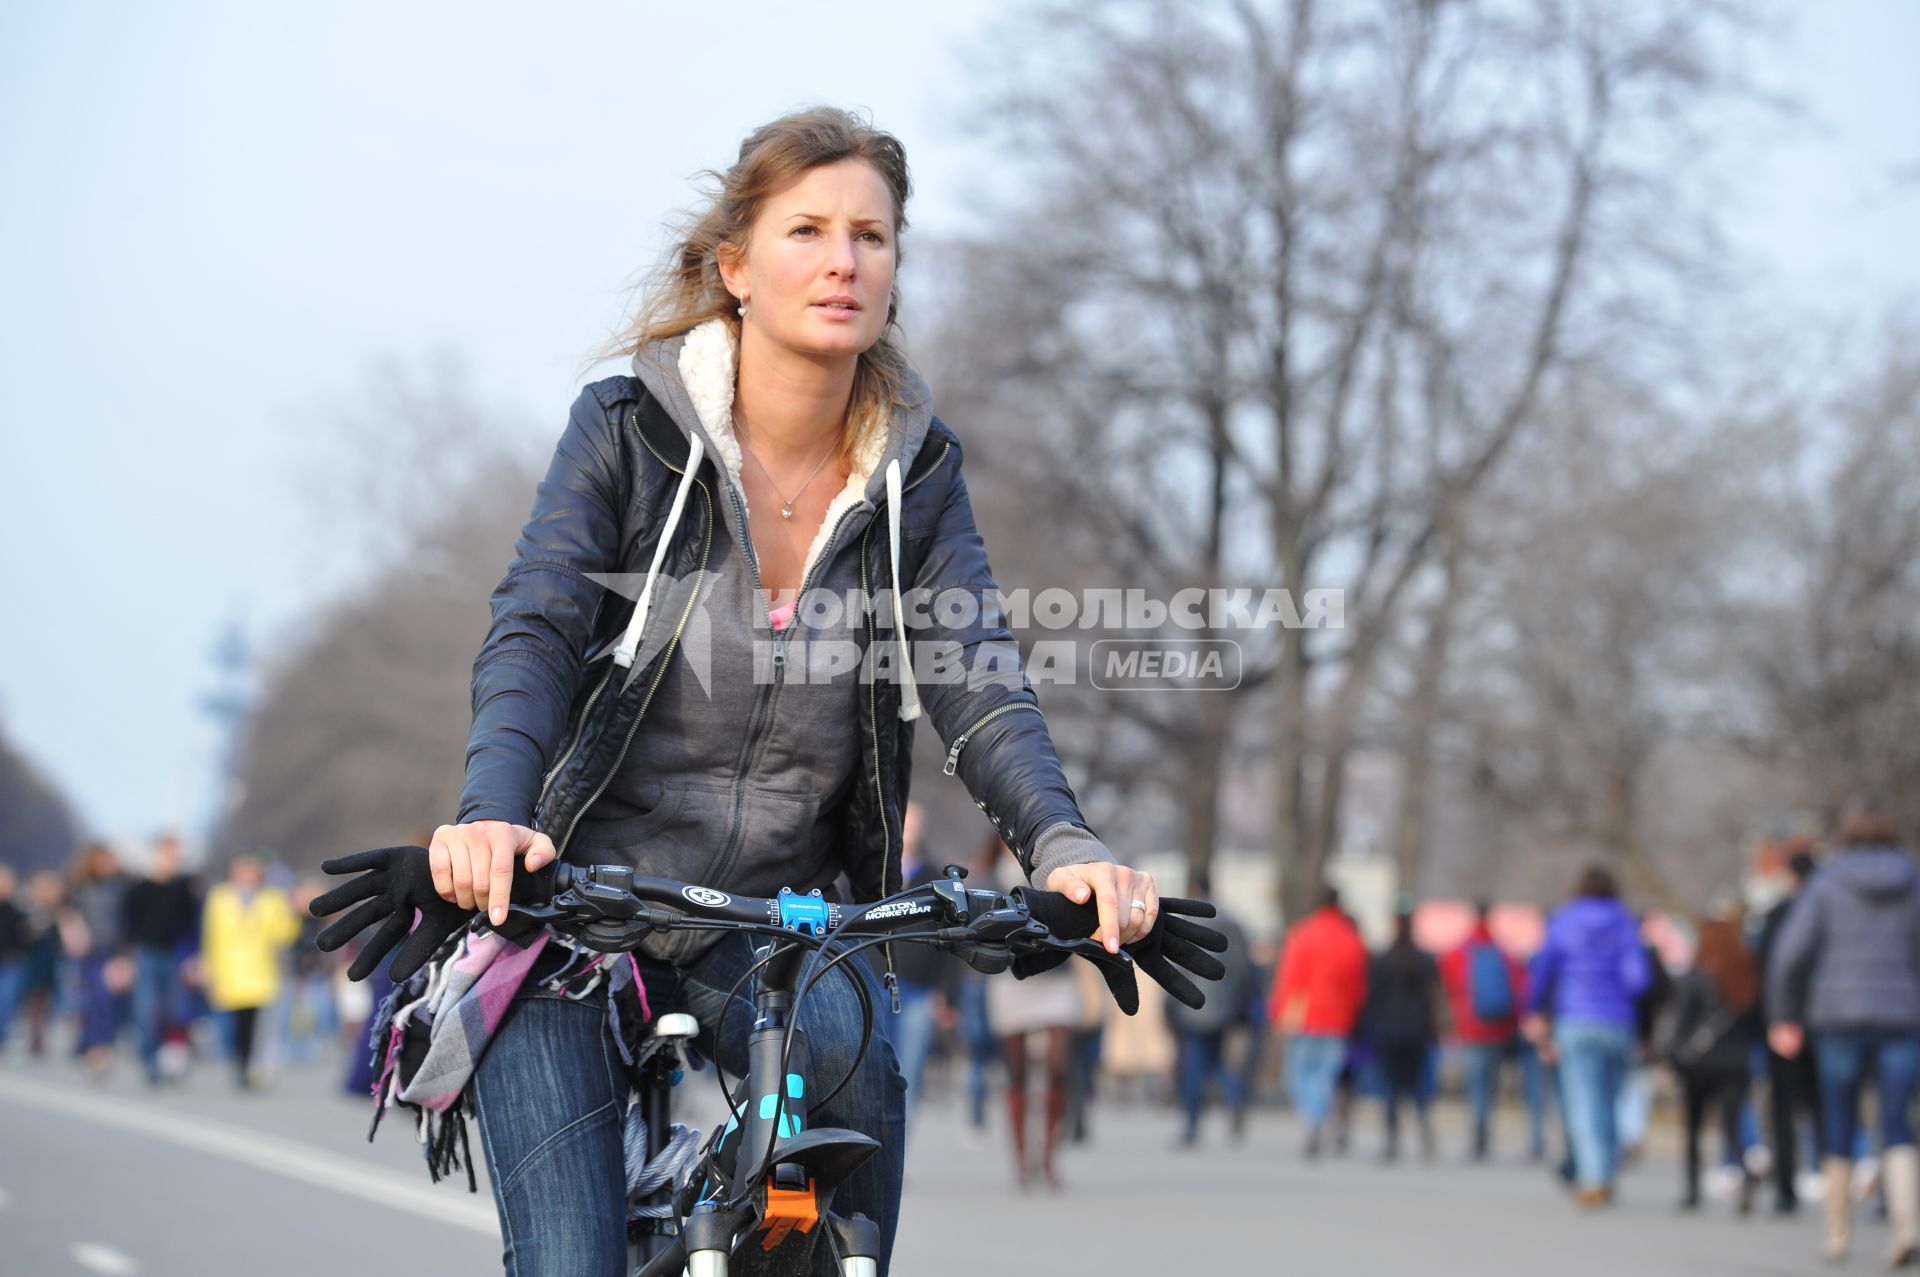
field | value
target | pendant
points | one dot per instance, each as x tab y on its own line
786	511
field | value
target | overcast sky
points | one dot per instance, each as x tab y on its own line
216	218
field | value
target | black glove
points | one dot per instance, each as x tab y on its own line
394	882
1174	948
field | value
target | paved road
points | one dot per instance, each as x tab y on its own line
198	1181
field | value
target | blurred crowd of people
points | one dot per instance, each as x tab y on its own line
1807	1006
161	966
1772	1026
1796	1013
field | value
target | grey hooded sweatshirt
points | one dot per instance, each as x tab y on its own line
1848	956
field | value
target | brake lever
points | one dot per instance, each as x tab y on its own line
604	914
1093	951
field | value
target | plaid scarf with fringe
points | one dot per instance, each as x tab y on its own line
430	1033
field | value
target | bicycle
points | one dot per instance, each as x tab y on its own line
758	1199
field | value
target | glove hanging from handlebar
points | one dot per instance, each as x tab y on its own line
394	882
1174	949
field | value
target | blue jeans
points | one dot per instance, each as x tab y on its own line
157	989
1538	1085
1202	1059
1480	1064
1313	1067
551	1097
1593	1070
983	1048
306	1019
13	977
1634	1108
1592	1062
102	1011
911	1033
1842	1060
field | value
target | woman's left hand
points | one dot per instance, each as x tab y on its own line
1113	889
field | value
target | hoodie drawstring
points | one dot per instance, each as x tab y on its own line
630	641
909	694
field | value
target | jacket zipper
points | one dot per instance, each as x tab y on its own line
661	663
780	638
764	705
573	742
660	673
960	741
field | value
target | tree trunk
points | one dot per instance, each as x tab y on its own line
1410	831
1200	791
1299	878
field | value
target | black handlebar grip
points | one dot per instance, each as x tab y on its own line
1061	915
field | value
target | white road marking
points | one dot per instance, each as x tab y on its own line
96	1258
291	1158
6	1199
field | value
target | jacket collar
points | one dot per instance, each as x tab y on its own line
694	375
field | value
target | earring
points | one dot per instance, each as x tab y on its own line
741	309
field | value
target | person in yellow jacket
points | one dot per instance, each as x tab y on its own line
246	927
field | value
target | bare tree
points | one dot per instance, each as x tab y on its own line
1289	282
1598	631
1831	639
359	735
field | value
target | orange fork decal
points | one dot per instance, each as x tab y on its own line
788	1209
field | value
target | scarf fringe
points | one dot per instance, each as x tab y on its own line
440	1132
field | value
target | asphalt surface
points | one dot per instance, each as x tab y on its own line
197	1180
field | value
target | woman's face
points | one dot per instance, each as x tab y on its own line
818	268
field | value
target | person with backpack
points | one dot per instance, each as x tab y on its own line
1715	1028
1484	987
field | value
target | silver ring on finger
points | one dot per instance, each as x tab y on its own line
1141	905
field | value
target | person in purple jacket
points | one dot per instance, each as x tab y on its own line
1585	982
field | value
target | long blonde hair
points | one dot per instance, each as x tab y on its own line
686	290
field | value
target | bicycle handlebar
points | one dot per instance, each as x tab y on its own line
612	908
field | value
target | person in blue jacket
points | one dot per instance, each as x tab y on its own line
1584	986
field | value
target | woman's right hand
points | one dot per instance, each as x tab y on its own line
473	863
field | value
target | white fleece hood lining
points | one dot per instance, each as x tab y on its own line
708	357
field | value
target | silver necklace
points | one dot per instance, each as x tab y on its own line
786	502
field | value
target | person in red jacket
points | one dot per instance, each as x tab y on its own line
1485	991
1317	997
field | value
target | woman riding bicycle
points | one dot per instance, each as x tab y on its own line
649	693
